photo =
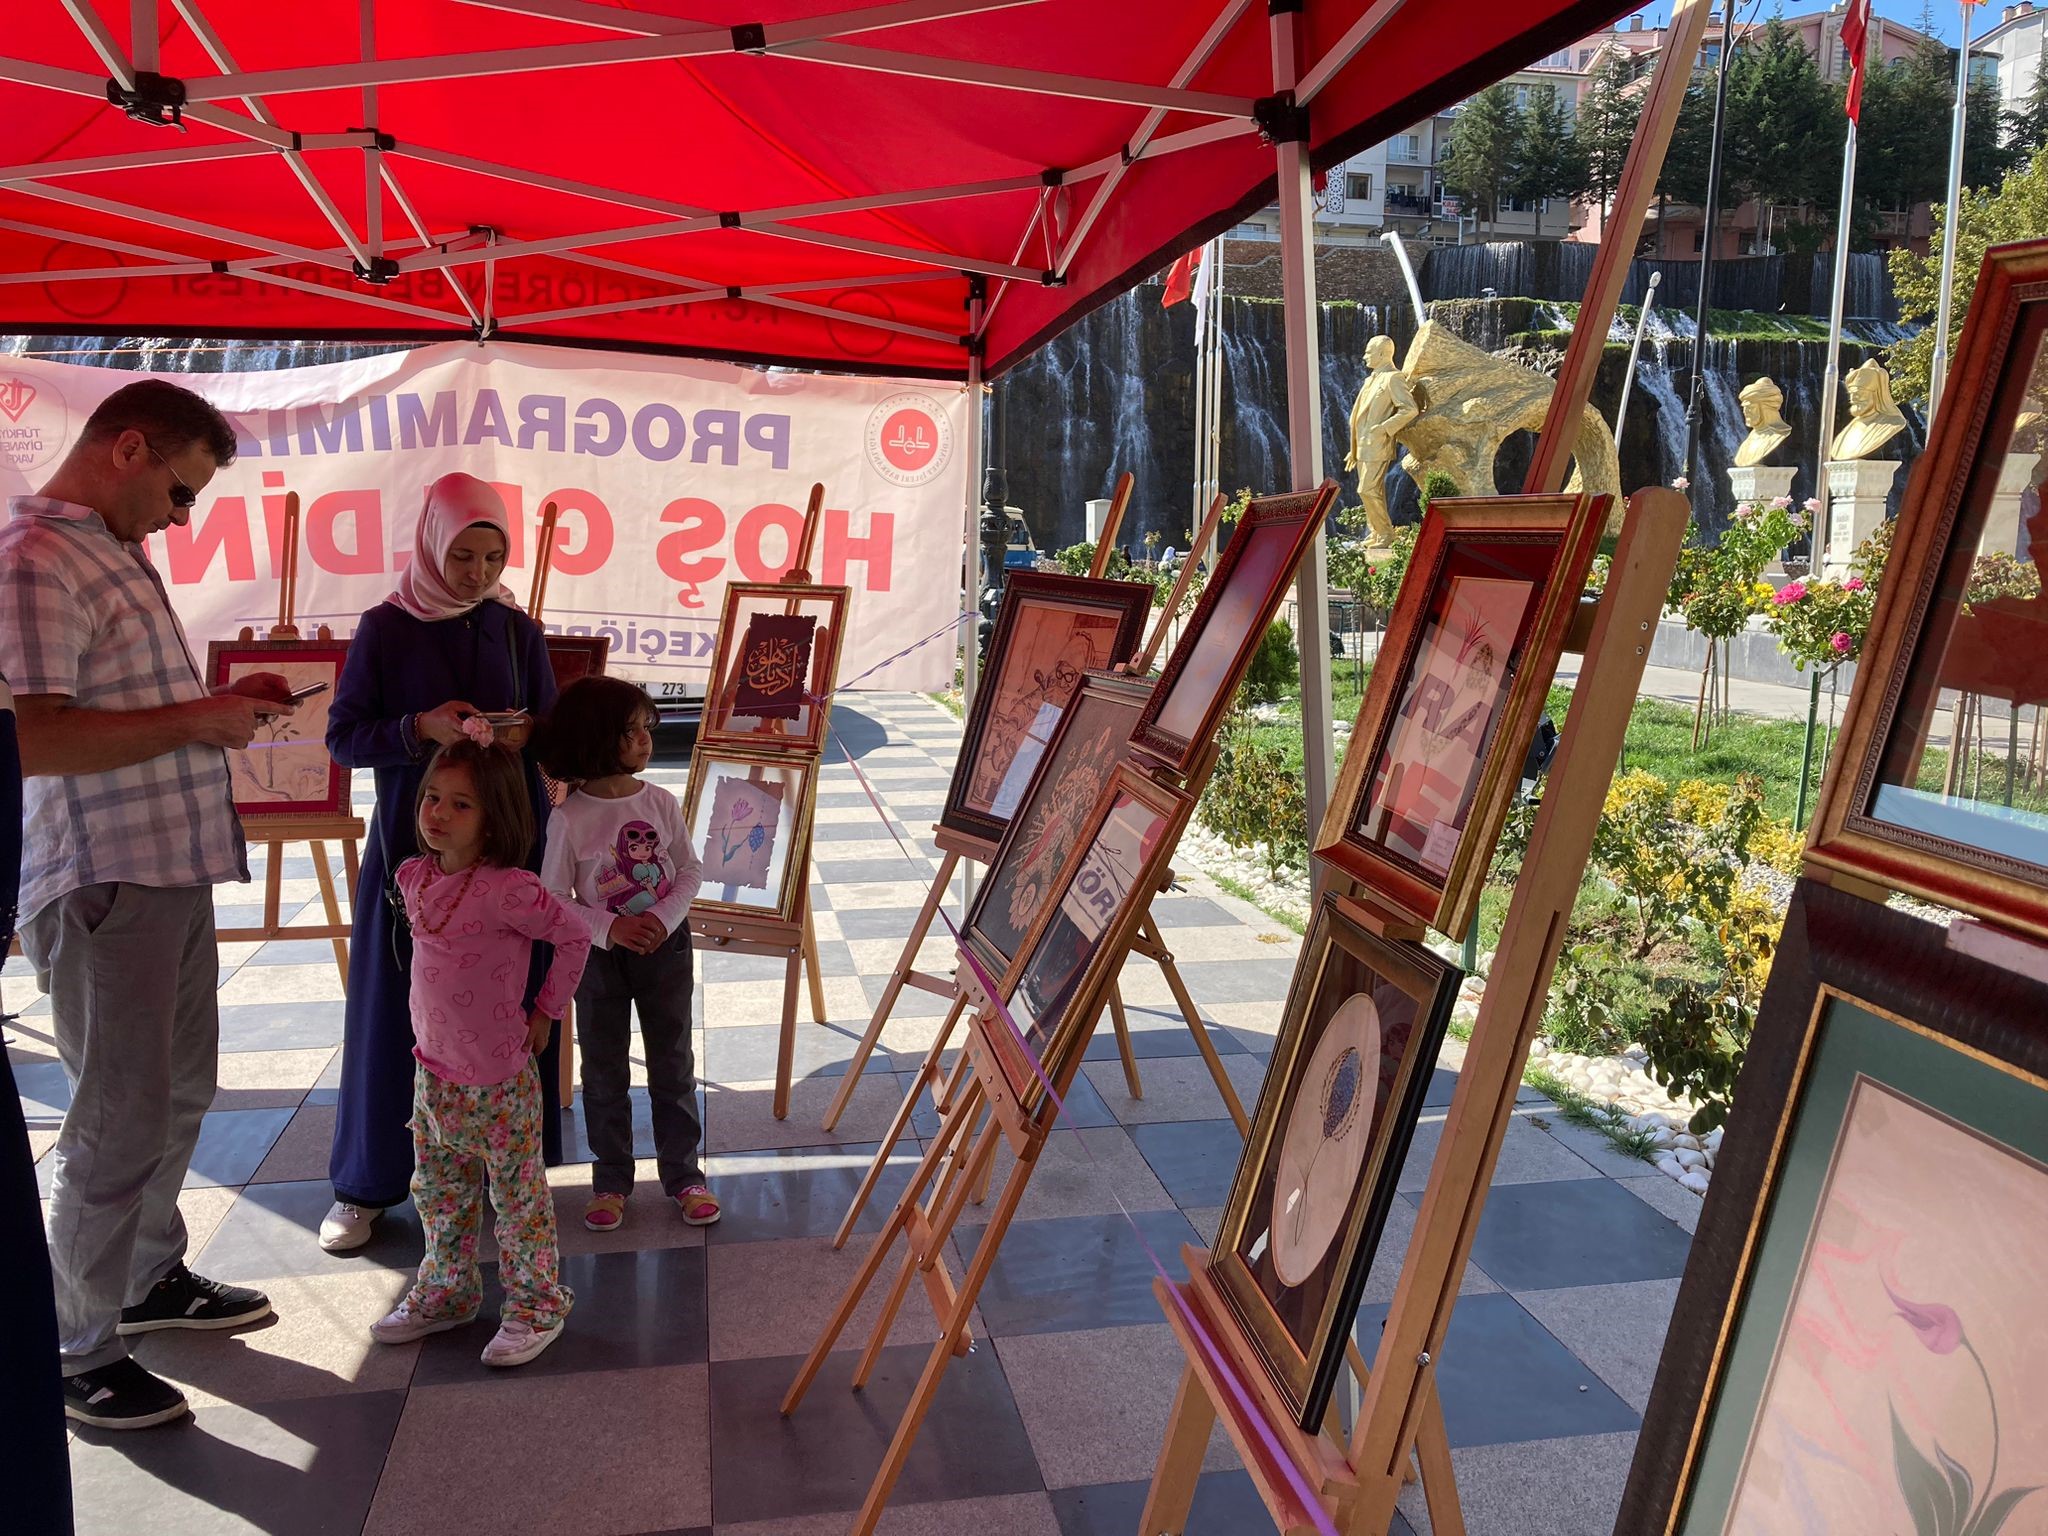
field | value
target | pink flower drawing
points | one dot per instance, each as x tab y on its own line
1937	1326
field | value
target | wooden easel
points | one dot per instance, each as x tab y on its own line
274	833
1359	1482
953	848
796	941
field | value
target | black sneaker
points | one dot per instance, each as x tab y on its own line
185	1300
121	1396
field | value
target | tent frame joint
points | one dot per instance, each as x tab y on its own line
377	271
729	219
750	37
379	139
1052	176
158	100
1284	7
1280	118
1052	279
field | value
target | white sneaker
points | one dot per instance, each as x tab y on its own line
346	1226
515	1342
405	1322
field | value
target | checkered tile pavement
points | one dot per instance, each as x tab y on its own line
657	1411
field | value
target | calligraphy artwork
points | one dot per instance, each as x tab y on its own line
286	769
775	656
1357	1045
740	849
574	656
1050	632
1423	783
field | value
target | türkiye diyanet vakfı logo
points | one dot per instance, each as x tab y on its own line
32	423
908	439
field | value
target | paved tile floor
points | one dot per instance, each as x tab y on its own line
657	1411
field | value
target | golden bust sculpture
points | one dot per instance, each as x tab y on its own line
1384	408
1763	406
1874	419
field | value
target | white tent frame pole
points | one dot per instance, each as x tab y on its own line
844	23
1346	48
1226	18
151	216
142	159
103	44
1003	77
142	35
1304	424
419	227
217	50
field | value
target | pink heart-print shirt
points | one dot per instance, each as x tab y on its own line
469	977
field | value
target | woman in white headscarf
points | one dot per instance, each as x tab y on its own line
448	644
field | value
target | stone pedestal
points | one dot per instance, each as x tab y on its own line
1857	491
2002	527
1095	515
1760	482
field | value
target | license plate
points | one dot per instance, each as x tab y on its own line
672	690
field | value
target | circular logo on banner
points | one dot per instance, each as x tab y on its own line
908	439
34	424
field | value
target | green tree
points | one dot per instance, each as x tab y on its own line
1606	127
1903	138
1486	140
1549	162
2026	127
2016	210
1684	176
1783	140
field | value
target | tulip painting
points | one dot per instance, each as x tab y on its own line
1900	1397
740	848
1941	1495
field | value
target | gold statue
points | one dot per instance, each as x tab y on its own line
1472	402
1873	419
1763	407
1384	407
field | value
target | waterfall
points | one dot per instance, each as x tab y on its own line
1560	270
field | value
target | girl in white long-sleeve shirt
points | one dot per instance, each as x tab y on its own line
618	849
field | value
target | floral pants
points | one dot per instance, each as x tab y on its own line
465	1138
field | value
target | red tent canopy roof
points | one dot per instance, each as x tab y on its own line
785	181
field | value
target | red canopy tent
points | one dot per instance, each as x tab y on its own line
926	187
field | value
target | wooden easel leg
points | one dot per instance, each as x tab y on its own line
1439	1481
942	1352
814	967
273	889
1180	1459
565	1058
905	963
332	906
926	1073
785	1050
1122	1025
871	1266
1150	933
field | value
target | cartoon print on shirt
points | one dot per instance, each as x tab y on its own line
638	876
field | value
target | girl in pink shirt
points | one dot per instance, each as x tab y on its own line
475	916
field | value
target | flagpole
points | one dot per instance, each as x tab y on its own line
1831	381
1938	373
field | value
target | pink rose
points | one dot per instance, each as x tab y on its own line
1781	503
1839	643
1680	483
1789	594
1853	584
1812	503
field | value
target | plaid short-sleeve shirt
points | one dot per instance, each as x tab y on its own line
84	615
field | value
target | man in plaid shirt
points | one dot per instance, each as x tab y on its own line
129	823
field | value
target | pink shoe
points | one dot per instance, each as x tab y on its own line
605	1213
699	1206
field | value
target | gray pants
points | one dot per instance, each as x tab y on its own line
131	971
615	982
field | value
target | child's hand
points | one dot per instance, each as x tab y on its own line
640	933
538	1027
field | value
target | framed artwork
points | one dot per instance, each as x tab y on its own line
1357	1046
1251	577
1053	988
286	770
1901	807
749	815
1050	631
1090	740
778	657
1453	701
1857	1342
574	656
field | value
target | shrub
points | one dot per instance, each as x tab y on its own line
1078	559
1821	624
1696	1045
1275	666
1255	797
1675	853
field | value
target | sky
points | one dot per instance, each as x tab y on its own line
1946	24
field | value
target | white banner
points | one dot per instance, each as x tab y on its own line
673	478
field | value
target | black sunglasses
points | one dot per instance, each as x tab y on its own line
182	495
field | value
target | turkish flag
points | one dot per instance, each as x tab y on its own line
1856	43
1180	278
